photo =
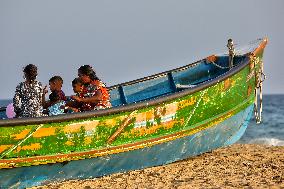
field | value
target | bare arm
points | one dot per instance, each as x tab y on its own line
45	103
17	100
94	99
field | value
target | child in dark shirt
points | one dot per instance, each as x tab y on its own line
55	85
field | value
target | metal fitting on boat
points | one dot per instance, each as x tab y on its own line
231	49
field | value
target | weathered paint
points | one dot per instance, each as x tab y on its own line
33	146
163	153
21	135
4	147
44	132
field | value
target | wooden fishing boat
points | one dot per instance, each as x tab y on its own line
154	121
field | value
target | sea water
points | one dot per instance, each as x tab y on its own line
269	132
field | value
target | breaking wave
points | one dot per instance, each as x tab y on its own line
267	141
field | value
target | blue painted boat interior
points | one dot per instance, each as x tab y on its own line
3	114
168	82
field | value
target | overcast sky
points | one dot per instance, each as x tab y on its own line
127	39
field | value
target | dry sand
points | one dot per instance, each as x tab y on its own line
237	166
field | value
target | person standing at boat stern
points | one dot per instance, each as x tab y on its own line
95	94
29	95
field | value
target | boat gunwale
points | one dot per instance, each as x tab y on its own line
137	105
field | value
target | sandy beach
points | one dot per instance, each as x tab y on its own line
237	166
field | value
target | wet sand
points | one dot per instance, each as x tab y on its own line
237	166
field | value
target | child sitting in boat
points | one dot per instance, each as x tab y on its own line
29	95
77	86
55	85
57	105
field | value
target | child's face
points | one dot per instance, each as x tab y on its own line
55	86
77	88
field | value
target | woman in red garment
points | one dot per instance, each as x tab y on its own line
94	95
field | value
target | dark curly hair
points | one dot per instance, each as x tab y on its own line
77	80
30	72
56	78
88	70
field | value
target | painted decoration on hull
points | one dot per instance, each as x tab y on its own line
167	152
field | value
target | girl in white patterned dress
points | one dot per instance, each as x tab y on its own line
29	95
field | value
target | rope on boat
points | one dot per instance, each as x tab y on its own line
238	49
211	59
259	78
231	55
217	65
20	142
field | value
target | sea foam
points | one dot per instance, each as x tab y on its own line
267	141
